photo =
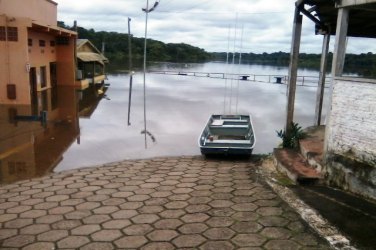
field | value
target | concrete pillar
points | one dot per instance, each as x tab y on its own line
321	86
337	66
293	69
341	42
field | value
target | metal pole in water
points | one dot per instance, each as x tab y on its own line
145	43
146	10
130	70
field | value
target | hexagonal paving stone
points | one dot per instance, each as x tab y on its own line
197	208
168	224
281	244
162	235
221	203
116	224
220	221
106	235
145	218
66	224
73	242
53	235
306	239
33	213
158	246
138	197
18	241
138	229
7	217
276	233
196	217
40	246
18	223
97	246
6	233
269	211
192	240
249	240
193	228
105	210
131	242
246	227
245	216
172	214
150	209
176	204
215	245
85	229
244	207
219	233
35	229
273	221
95	219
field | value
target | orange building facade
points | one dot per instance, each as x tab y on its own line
35	54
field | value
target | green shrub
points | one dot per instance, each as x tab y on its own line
292	140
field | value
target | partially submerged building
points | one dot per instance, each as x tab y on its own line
36	54
350	132
91	64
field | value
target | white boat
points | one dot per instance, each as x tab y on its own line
228	135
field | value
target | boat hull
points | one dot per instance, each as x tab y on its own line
227	135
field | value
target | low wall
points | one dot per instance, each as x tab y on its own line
351	136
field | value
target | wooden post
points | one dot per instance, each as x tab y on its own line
321	86
293	69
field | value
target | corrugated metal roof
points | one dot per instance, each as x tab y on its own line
362	18
91	57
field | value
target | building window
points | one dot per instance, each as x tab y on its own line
12	34
61	40
43	82
2	33
52	43
30	42
42	43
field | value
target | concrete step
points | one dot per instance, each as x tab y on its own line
312	147
296	167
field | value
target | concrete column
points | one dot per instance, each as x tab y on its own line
337	66
321	86
293	68
340	44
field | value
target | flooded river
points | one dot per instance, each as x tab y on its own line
87	128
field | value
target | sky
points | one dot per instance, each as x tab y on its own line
215	25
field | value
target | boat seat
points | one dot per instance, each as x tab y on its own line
227	143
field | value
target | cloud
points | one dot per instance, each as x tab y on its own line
266	24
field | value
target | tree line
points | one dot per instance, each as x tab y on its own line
116	50
116	47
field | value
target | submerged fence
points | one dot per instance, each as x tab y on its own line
308	81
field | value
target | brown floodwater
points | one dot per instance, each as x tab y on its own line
87	128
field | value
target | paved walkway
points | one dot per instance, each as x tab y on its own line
164	203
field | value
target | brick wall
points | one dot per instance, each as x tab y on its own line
351	136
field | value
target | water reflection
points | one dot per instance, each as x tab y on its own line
30	148
177	110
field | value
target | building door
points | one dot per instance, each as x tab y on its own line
33	90
53	80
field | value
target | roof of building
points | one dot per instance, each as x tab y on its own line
94	56
362	21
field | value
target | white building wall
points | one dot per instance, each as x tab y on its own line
351	138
